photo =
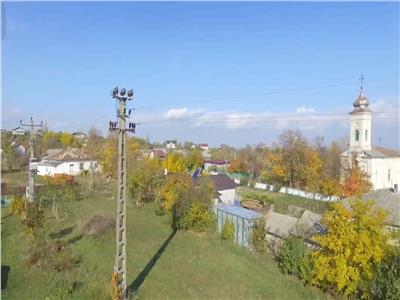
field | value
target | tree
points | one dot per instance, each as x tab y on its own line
109	156
174	163
386	282
356	181
238	165
275	171
312	170
354	244
145	180
194	159
94	144
293	146
176	187
66	139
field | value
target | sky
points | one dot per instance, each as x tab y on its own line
207	72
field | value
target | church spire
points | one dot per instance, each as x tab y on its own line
361	103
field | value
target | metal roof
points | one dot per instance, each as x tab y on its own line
385	199
239	211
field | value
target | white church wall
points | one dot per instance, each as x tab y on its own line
384	172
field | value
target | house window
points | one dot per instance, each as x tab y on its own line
389	175
366	134
81	166
357	135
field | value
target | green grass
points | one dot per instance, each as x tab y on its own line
191	267
19	178
282	201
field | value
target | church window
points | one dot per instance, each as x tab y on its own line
357	135
389	175
366	135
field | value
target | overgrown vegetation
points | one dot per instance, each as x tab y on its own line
386	281
258	235
355	243
228	230
295	258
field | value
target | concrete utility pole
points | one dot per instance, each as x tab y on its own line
32	172
120	256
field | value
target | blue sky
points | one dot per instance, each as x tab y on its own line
206	72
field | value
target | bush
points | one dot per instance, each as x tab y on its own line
197	217
228	231
258	234
295	259
17	205
386	282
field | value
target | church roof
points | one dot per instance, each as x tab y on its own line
361	103
387	152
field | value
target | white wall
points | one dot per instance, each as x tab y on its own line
360	122
378	169
68	168
227	196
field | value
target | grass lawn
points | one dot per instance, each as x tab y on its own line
282	201
189	266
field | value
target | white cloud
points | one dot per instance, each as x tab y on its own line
304	109
182	113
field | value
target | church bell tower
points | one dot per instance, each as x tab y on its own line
360	123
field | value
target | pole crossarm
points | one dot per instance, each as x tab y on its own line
32	172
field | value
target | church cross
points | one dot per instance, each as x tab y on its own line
362	78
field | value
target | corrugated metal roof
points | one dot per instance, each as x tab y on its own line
239	211
279	224
385	199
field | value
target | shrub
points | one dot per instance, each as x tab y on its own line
98	224
197	217
17	205
228	231
258	234
386	282
294	258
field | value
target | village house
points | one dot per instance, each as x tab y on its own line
171	144
70	161
216	165
225	189
19	131
79	135
159	153
380	164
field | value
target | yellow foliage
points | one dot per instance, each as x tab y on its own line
115	290
174	163
109	159
174	187
17	205
355	242
66	139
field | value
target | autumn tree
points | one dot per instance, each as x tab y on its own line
356	181
109	156
176	187
145	180
194	159
67	139
175	163
354	244
293	146
94	144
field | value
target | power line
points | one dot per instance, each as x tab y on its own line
275	92
251	118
